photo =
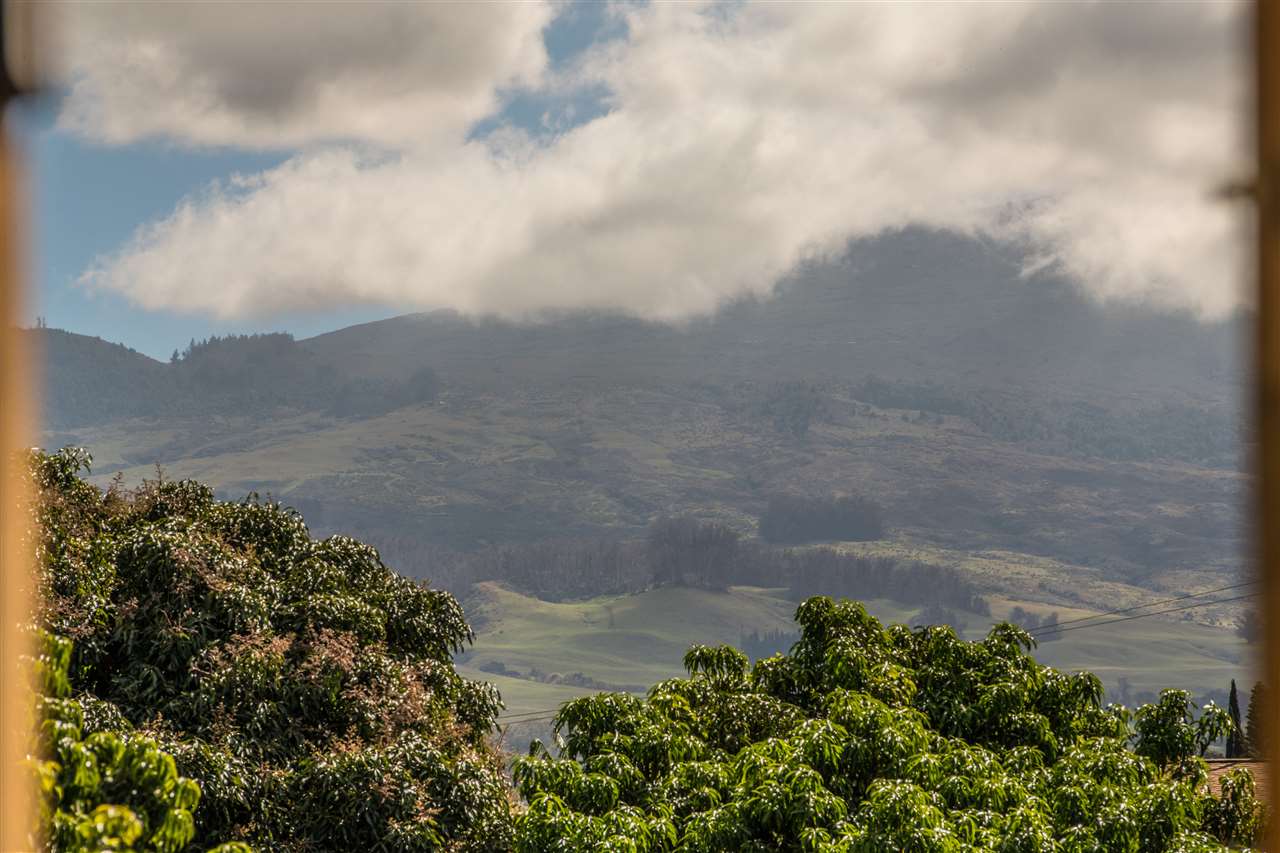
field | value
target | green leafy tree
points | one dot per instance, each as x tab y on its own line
1255	721
1235	817
106	791
1235	740
1170	735
872	738
305	687
233	679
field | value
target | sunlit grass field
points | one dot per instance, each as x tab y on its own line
632	641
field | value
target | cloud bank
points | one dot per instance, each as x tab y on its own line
734	141
292	72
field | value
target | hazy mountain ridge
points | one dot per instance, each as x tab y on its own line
86	380
914	305
982	409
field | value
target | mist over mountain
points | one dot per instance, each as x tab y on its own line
914	305
982	411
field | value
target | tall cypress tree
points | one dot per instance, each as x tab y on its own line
1235	739
1255	736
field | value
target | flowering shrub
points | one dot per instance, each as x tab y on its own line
291	693
106	791
211	673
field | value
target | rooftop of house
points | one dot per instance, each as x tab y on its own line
1219	767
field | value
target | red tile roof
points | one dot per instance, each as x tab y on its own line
1218	767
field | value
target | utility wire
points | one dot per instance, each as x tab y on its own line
550	713
520	723
530	716
1158	603
523	714
1047	631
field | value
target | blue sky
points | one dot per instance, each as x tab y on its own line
88	199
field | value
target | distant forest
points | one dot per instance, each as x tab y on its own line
249	376
501	464
684	551
1167	431
794	520
253	376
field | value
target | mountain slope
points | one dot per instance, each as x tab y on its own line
912	305
1003	414
83	376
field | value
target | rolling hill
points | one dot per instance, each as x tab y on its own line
541	654
1055	450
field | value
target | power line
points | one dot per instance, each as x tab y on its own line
520	723
1153	613
524	714
530	716
1046	632
550	713
1158	603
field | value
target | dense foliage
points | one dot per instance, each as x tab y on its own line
107	791
263	373
554	569
791	407
866	738
824	571
796	519
1255	740
1167	431
687	551
307	689
211	674
91	381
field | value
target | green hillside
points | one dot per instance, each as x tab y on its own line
629	642
234	678
1052	452
482	469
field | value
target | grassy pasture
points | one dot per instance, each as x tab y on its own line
632	641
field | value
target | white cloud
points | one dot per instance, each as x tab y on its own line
289	72
739	140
